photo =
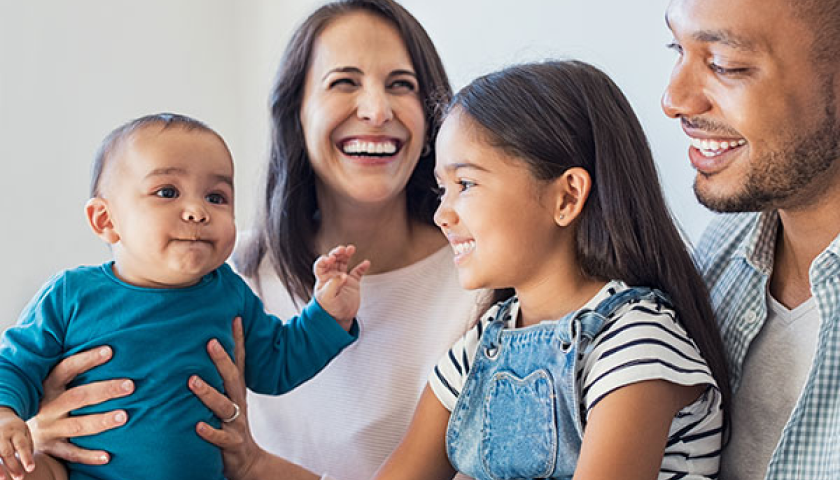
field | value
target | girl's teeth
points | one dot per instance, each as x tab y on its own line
464	247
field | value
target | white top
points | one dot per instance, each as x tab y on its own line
348	419
783	350
640	341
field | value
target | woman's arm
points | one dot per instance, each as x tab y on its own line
422	453
53	425
627	430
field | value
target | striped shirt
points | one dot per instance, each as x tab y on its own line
735	257
640	341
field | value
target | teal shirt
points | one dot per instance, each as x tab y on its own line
159	339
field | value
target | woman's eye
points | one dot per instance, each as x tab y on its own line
217	199
404	85
439	191
167	192
343	82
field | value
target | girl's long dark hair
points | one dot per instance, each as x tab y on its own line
287	221
562	114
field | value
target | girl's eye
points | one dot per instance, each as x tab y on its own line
439	191
216	199
167	192
466	184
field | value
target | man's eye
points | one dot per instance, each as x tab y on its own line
216	199
167	192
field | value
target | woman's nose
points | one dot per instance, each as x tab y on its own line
374	107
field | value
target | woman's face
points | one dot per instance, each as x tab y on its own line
362	116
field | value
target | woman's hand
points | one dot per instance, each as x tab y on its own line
239	449
53	425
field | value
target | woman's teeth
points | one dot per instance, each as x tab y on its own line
713	148
359	147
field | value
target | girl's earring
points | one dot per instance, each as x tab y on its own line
560	216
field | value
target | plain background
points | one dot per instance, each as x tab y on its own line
72	71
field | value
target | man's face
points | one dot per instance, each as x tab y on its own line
761	115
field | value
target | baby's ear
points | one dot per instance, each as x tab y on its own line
98	214
573	189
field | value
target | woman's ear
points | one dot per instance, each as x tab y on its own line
99	218
573	189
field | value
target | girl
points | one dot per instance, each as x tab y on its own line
599	358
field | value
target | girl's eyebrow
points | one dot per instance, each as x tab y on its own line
461	165
453	167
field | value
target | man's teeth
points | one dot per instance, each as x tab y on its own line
359	147
713	148
463	247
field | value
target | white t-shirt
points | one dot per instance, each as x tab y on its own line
350	417
774	373
640	341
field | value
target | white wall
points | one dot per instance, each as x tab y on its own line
71	71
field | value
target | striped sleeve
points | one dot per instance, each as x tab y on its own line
450	374
642	342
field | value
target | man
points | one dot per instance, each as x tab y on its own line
755	87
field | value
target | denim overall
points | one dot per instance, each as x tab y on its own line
518	415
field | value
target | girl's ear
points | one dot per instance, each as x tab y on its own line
99	218
573	189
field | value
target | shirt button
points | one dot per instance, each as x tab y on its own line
750	316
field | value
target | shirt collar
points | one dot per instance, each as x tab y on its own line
760	242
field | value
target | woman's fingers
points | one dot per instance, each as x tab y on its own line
224	439
71	453
70	367
83	396
218	403
238	348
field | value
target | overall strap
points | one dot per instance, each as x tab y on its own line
493	334
591	321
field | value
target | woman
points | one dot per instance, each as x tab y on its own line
351	161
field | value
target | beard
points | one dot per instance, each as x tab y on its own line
791	176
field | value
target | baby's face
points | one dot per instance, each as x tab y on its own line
170	197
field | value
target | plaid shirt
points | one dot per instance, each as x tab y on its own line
735	257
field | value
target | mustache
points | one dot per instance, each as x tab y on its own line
709	126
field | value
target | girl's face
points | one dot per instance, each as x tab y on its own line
498	218
362	117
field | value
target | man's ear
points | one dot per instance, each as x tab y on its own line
573	189
99	218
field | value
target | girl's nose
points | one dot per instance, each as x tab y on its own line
444	216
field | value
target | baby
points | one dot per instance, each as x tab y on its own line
162	197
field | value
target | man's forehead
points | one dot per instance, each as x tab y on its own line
745	25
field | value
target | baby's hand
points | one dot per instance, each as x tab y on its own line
15	439
336	290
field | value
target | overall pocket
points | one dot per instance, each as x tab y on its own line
520	430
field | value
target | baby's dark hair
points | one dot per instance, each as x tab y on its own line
558	115
114	140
